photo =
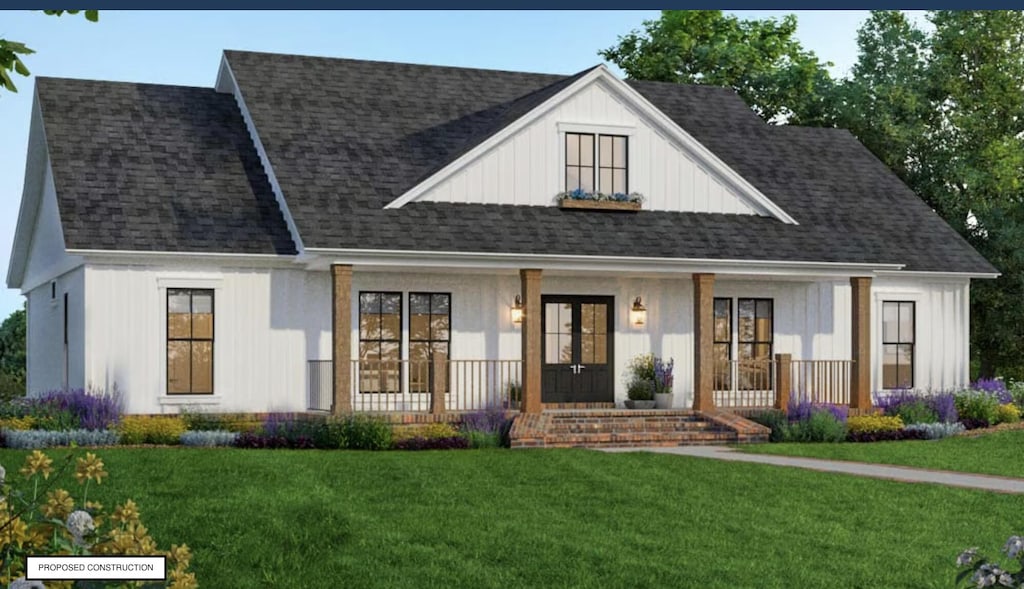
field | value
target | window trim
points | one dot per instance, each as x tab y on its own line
898	342
401	331
212	339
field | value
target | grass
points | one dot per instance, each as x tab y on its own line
549	518
997	453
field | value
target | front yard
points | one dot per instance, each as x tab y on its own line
997	453
551	518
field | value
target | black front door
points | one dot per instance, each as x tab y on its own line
577	349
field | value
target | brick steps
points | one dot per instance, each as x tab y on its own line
611	428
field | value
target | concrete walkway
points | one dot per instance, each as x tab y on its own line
879	471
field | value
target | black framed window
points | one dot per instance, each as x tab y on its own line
190	323
755	338
429	332
596	163
579	162
380	342
611	164
723	343
898	327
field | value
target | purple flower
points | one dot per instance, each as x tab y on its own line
995	387
663	375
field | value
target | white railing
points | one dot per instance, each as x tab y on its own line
742	384
821	381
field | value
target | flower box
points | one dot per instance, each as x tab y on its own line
598	205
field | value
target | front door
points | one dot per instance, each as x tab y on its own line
577	349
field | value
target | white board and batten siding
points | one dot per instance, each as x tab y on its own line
528	168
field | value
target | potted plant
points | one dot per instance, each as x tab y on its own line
641	394
663	383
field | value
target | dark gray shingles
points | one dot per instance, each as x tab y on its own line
144	167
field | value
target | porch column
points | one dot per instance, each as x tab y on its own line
703	342
531	334
860	376
341	336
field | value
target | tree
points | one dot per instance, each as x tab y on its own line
761	59
11	51
12	356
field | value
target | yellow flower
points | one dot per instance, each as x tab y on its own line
180	555
93	507
183	580
127	513
37	462
15	533
59	504
90	468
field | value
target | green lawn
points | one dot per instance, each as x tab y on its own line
997	453
546	518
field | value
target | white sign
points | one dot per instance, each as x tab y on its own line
98	568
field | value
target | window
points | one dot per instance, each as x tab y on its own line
189	341
754	338
380	342
723	343
429	333
609	152
897	344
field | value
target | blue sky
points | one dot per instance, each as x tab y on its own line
184	47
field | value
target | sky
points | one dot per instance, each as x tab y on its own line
184	47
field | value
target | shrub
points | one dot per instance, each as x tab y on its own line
803	410
35	439
640	390
18	423
300	432
887	436
209	438
937	431
144	429
944	405
773	419
41	518
87	409
994	387
478	439
363	432
976	407
11	386
1007	413
449	443
260	440
821	426
429	431
1017	394
867	424
917	412
487	428
232	422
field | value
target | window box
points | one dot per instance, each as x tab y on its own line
598	205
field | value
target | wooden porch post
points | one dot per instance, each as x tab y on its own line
703	342
783	379
438	382
531	334
341	336
860	376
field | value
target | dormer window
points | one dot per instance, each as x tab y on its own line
596	163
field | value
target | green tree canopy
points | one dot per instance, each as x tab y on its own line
12	345
761	59
11	51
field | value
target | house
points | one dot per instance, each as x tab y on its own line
319	233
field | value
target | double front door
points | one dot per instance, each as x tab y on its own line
577	349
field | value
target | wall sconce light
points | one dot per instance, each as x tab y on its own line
638	314
517	311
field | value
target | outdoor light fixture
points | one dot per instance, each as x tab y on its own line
638	314
517	310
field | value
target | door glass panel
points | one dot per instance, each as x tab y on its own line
587	318
587	349
551	348
565	348
601	319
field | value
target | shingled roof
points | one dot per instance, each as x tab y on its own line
346	137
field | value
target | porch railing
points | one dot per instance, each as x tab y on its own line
410	385
741	384
772	382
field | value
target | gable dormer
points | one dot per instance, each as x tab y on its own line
595	135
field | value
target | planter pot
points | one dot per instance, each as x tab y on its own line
631	404
663	400
599	205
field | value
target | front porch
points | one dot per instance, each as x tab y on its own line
720	372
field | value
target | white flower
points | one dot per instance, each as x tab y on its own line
3	475
967	557
1014	546
21	583
80	524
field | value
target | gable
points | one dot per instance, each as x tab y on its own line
528	166
46	257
